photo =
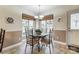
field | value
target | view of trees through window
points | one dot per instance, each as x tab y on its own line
28	25
74	21
45	25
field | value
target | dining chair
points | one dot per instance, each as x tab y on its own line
29	41
2	35
51	41
48	40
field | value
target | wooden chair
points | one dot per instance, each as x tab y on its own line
2	35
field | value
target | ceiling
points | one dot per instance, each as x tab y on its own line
44	9
48	9
36	9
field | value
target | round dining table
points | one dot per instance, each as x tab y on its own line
40	39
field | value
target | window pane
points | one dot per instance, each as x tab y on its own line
74	21
31	23
46	25
28	25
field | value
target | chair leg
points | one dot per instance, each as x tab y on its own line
32	47
52	46
25	48
49	41
2	41
49	48
32	43
1	35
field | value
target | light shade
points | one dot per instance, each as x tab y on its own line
39	17
36	16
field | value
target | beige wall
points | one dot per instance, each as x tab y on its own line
12	37
14	30
59	35
73	36
62	12
14	12
62	25
6	11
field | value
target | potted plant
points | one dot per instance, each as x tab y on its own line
38	31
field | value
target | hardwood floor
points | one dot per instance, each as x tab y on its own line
57	49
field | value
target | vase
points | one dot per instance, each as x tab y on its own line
38	33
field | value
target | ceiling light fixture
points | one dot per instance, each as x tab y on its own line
39	16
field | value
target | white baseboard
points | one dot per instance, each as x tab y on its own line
59	42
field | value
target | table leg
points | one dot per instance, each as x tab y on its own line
38	44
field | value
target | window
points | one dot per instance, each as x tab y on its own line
43	26
49	25
74	21
25	25
46	25
28	25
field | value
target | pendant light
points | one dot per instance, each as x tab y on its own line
39	14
